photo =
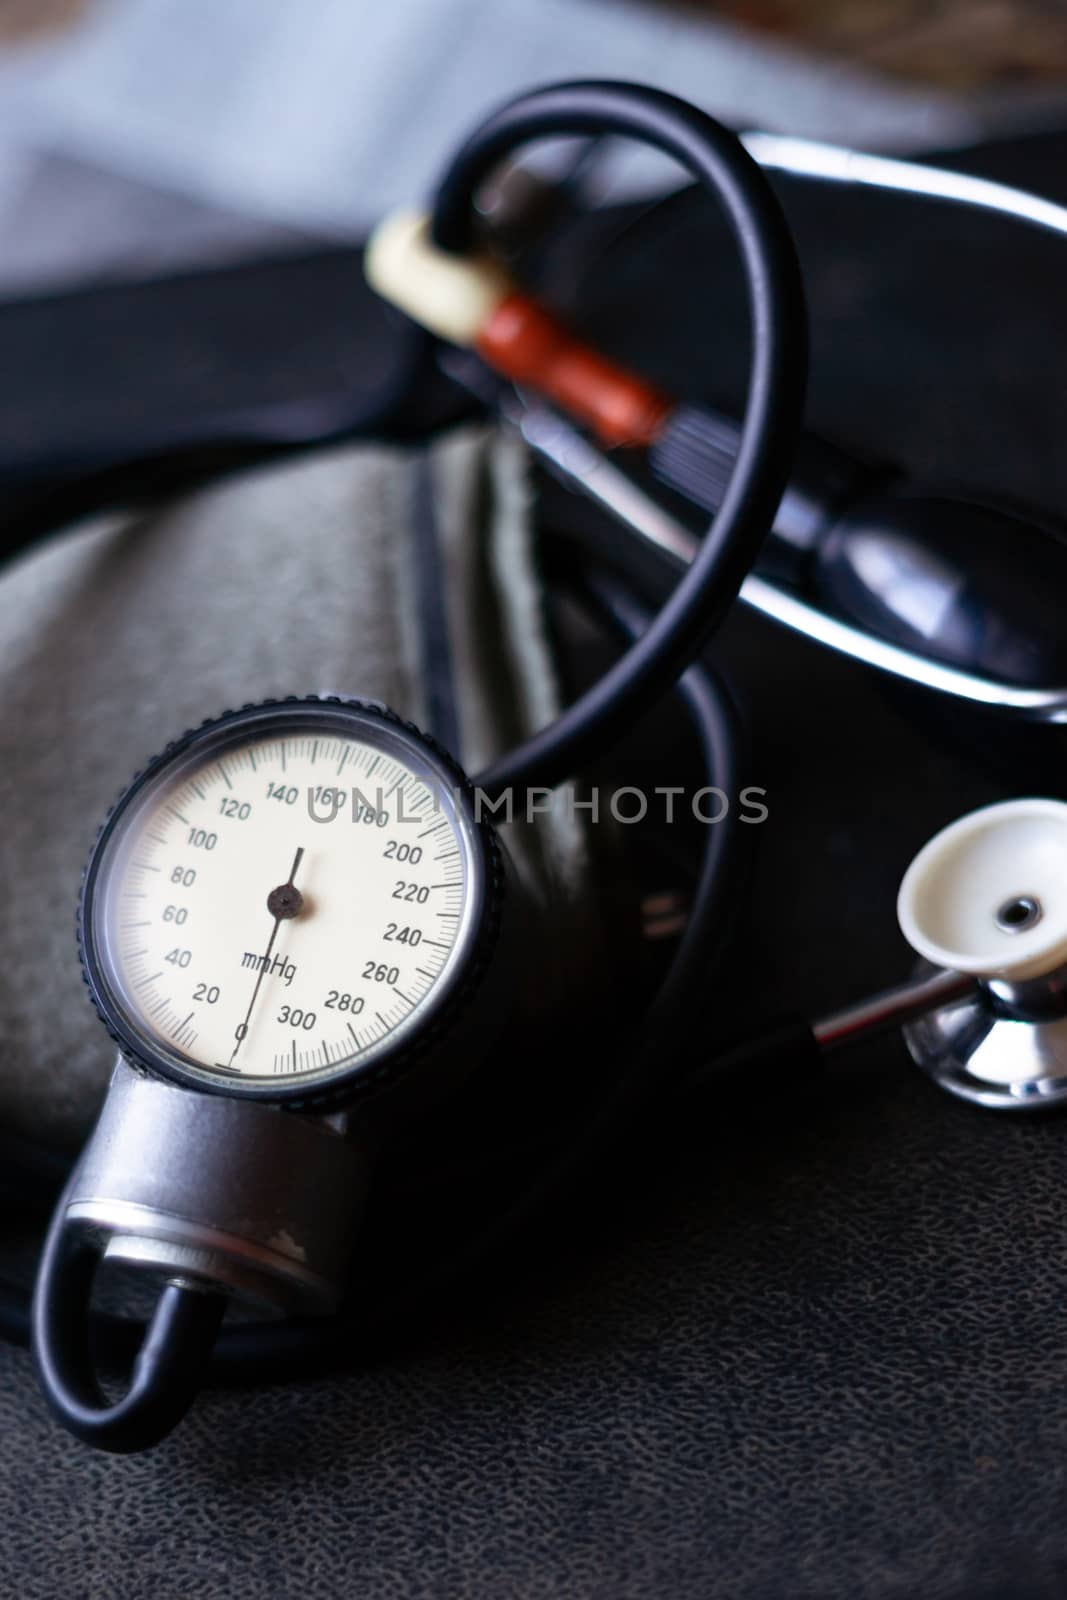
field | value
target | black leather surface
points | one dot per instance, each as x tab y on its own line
814	1349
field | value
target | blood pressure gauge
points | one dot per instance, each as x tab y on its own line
286	901
290	924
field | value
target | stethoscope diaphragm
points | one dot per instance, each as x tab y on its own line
987	897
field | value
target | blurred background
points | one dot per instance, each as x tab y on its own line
140	135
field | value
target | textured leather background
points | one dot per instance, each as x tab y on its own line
815	1348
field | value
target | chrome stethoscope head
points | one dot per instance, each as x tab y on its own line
987	898
984	906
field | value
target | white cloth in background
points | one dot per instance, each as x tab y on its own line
322	114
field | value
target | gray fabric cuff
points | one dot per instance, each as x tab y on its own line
310	577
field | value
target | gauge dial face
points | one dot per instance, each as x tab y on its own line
283	899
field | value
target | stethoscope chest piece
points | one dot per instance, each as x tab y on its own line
987	897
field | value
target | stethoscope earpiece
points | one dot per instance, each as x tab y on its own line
987	897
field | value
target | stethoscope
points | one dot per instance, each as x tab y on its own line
302	929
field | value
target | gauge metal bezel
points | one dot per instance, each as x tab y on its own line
411	1039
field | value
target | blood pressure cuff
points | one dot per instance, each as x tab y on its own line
401	575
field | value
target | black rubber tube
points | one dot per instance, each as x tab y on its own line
168	1368
773	408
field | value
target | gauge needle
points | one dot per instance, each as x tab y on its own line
283	903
